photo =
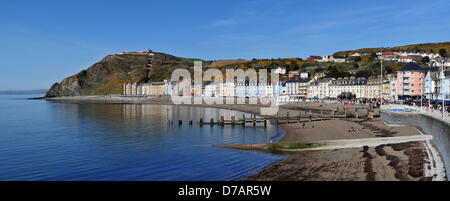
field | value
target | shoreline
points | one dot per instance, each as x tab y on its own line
384	162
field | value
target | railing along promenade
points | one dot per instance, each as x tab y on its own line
437	114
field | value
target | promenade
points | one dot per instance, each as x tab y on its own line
422	110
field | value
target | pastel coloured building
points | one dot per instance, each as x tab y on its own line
410	81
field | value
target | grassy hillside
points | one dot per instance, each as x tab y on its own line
425	47
109	75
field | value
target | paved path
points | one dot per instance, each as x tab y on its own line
424	110
371	142
340	144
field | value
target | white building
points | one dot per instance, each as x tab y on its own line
393	87
292	74
211	89
296	87
304	75
326	58
348	85
444	91
405	59
330	58
430	83
219	89
338	59
320	88
319	75
280	70
241	90
229	89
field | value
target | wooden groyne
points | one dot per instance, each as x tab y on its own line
301	118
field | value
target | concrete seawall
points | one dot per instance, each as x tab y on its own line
439	129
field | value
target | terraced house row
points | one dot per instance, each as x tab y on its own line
410	82
360	87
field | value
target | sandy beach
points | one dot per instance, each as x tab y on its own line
391	162
410	161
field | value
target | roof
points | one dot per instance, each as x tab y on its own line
300	80
338	57
325	80
314	57
157	83
432	69
350	81
416	56
411	66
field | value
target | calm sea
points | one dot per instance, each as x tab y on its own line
43	140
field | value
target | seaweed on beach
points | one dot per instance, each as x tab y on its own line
415	167
396	164
416	162
365	148
380	132
368	167
380	150
403	146
426	179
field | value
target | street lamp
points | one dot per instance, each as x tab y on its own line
381	73
442	87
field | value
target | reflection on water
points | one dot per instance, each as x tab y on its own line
145	112
54	141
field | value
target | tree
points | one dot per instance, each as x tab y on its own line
334	72
363	73
416	50
443	53
373	56
318	70
346	96
425	60
293	66
388	70
357	59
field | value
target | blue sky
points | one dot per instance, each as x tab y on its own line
43	42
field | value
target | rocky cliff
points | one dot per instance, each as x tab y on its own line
108	75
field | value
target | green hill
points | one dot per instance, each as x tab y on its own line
108	75
424	47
